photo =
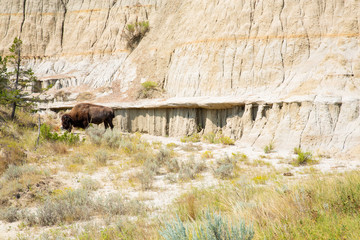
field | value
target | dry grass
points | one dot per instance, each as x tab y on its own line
227	167
314	209
68	205
190	169
207	155
319	207
216	138
11	154
58	148
22	182
190	147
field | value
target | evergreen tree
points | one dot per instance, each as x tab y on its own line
15	80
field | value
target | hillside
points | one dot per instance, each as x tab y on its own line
282	71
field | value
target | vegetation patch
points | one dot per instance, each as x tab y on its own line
217	138
269	148
214	226
68	205
192	138
313	209
189	169
149	89
66	137
134	33
303	158
207	155
226	167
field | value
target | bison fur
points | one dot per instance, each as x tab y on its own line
84	113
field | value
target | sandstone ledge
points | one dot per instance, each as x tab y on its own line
201	102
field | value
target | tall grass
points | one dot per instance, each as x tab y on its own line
327	208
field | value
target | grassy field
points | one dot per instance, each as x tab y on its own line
98	184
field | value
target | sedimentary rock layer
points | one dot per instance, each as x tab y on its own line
75	42
291	68
325	126
312	125
265	49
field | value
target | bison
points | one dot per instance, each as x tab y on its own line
84	113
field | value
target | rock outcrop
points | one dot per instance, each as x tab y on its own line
287	71
69	39
309	125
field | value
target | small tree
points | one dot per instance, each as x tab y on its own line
4	80
135	32
15	83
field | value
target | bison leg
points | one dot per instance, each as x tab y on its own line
106	124
85	124
111	124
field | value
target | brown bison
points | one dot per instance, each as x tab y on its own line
84	113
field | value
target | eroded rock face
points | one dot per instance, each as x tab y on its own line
309	125
265	49
300	57
79	40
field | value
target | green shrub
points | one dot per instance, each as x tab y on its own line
218	138
191	147
171	145
192	138
175	231
172	165
303	158
66	137
90	184
210	138
113	204
95	135
242	157
15	172
269	148
11	214
213	227
133	145
225	167
189	169
172	177
297	150
152	165
70	205
226	140
146	177
135	32
149	89
101	157
149	85
261	179
112	138
78	158
164	155
206	155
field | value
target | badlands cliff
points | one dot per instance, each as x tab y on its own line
261	71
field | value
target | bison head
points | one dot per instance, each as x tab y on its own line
66	122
